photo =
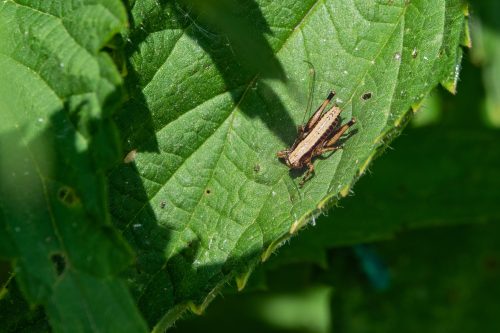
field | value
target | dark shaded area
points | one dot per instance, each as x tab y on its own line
438	274
151	282
5	269
243	26
17	315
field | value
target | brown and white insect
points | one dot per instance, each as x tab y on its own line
318	136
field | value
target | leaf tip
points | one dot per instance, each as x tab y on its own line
415	107
199	309
344	192
242	279
450	85
196	309
466	38
266	254
3	292
365	165
451	80
294	228
465	9
273	246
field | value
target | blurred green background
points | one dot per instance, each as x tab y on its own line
435	265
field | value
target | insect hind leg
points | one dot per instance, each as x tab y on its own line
338	134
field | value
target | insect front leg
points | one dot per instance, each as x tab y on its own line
309	173
331	143
283	153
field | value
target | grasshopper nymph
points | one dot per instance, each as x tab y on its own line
318	136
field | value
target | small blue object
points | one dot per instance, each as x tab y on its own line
373	266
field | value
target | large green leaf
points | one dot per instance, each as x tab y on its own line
214	96
57	94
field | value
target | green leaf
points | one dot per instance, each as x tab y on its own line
205	197
58	91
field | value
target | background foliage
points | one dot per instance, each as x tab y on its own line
145	147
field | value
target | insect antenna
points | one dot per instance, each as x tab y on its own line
312	74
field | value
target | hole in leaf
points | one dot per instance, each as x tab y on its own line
67	196
59	262
366	96
207	191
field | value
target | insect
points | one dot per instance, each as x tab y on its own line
318	136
